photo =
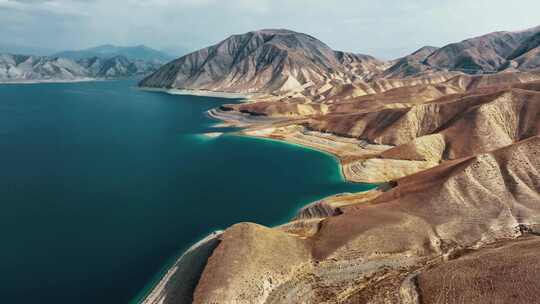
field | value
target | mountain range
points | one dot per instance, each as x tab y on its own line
103	62
26	68
274	61
450	134
139	52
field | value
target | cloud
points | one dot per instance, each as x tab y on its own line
385	28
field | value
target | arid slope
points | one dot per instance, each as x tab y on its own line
426	219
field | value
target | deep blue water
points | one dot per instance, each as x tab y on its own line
101	184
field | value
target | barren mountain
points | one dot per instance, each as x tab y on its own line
22	68
527	56
264	61
411	65
117	67
488	53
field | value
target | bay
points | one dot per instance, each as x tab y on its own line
101	184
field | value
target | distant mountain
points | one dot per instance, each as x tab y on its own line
24	68
411	64
527	55
25	50
36	68
263	61
491	53
139	52
486	54
118	67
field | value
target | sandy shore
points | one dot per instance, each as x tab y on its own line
204	93
241	120
359	160
212	134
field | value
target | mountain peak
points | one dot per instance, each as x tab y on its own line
425	49
276	31
267	60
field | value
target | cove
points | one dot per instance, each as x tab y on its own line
102	184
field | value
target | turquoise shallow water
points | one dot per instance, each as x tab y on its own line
101	184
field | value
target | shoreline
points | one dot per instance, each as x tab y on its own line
38	81
313	148
244	120
156	291
202	93
360	161
357	159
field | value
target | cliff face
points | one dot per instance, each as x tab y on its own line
262	61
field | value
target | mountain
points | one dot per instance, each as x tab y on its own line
527	55
410	65
36	68
489	53
118	67
262	61
485	54
23	68
280	61
107	51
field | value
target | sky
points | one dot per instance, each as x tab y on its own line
384	28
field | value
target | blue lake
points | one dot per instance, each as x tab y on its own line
101	184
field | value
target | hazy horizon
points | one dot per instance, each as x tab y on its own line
384	29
